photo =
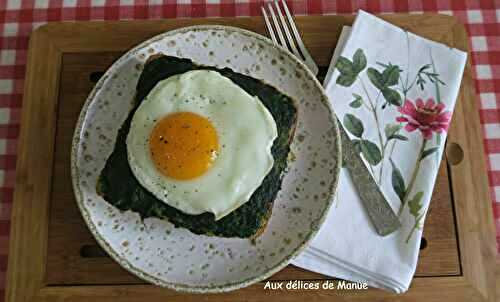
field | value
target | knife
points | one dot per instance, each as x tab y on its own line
380	212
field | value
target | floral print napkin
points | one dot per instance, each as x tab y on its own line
394	93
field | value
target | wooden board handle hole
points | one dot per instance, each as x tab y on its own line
95	76
92	251
454	153
423	243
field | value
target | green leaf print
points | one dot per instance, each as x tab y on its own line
390	75
391	129
428	152
357	145
353	125
345	66
392	96
346	80
376	78
349	70
399	137
391	132
415	205
357	102
359	60
398	183
371	152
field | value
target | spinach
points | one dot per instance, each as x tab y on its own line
119	187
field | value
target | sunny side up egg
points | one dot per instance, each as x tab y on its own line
200	143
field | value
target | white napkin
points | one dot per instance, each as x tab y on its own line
378	65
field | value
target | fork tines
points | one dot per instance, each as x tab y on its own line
284	29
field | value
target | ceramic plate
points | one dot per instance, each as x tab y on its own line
154	249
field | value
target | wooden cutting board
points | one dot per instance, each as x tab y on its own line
53	256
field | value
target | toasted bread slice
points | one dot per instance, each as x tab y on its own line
118	186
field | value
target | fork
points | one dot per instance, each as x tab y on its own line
380	212
294	46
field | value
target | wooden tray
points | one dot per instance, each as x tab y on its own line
53	256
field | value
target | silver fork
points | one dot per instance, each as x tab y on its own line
293	44
380	212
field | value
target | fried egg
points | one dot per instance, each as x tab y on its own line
200	143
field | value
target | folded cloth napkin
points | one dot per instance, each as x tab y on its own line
394	93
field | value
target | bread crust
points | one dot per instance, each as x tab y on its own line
265	220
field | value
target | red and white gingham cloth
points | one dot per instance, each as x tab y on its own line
18	18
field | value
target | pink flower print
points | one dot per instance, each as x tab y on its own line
427	117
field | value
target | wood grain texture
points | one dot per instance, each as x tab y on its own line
319	33
474	215
42	258
28	239
68	232
423	289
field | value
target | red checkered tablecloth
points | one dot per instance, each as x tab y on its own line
18	18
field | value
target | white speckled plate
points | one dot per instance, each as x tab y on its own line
174	257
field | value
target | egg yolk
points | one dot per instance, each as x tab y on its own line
183	145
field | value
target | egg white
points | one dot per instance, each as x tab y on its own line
245	128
